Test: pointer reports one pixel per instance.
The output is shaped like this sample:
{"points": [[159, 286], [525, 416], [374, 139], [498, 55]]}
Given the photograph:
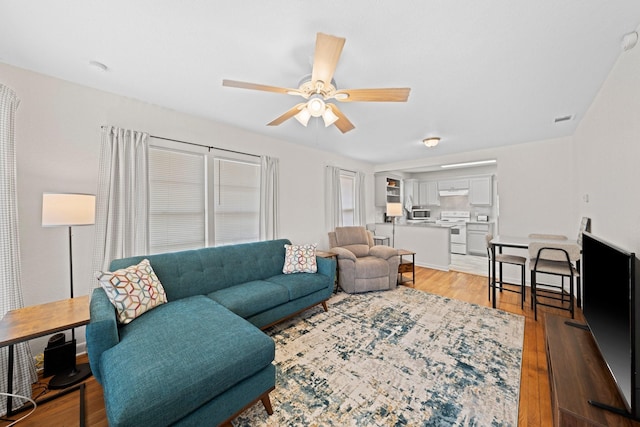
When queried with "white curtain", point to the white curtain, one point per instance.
{"points": [[122, 215], [269, 198], [24, 370], [359, 205], [333, 198]]}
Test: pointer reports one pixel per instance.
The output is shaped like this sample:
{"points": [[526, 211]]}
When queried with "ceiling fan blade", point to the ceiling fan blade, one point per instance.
{"points": [[255, 86], [373, 95], [327, 54], [342, 123], [286, 116]]}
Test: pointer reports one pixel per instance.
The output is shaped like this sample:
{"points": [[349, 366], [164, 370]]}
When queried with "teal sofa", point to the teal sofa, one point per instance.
{"points": [[201, 358]]}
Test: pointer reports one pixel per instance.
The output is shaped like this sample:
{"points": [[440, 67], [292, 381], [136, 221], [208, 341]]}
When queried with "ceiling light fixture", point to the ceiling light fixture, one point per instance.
{"points": [[431, 142], [476, 163], [316, 107]]}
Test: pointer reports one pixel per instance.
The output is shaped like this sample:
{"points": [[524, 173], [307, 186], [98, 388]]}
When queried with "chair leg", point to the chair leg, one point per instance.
{"points": [[522, 288], [489, 279], [534, 300]]}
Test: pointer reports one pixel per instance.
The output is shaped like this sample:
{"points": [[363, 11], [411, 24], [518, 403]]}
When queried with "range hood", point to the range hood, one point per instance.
{"points": [[460, 192]]}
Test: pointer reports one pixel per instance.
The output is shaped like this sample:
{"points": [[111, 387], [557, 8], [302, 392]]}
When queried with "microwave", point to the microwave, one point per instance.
{"points": [[420, 213]]}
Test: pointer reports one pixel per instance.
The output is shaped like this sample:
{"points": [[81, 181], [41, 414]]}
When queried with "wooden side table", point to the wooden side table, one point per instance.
{"points": [[406, 266], [35, 321], [329, 254]]}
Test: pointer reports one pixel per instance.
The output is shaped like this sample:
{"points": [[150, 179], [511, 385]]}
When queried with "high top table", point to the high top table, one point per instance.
{"points": [[521, 243], [35, 321]]}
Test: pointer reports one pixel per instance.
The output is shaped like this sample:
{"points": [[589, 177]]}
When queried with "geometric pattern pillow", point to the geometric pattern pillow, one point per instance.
{"points": [[300, 259], [133, 290]]}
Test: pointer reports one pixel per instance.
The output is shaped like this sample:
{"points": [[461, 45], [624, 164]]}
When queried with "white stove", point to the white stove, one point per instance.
{"points": [[457, 222]]}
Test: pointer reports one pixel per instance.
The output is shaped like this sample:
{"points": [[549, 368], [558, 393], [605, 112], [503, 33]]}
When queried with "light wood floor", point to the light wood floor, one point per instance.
{"points": [[535, 406]]}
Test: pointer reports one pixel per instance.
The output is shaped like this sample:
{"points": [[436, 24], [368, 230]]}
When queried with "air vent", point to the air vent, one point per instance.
{"points": [[563, 119]]}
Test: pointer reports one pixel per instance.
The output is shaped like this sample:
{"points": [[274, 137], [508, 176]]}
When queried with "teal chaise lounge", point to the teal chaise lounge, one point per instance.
{"points": [[201, 358]]}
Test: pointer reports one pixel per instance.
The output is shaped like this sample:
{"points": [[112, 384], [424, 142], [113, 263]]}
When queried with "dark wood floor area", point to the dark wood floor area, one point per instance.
{"points": [[535, 401]]}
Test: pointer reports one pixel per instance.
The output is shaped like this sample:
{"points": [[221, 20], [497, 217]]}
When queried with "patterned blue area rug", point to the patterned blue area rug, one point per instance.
{"points": [[395, 358]]}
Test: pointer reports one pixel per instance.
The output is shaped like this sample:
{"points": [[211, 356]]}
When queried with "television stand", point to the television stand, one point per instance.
{"points": [[578, 375]]}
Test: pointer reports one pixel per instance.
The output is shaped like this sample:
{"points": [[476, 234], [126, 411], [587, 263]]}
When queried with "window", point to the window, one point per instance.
{"points": [[347, 191], [237, 202], [198, 200], [177, 201]]}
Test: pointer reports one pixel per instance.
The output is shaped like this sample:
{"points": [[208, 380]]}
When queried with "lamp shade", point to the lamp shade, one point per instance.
{"points": [[68, 209], [394, 209]]}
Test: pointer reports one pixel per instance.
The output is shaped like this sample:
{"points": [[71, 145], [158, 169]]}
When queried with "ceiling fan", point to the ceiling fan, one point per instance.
{"points": [[320, 87]]}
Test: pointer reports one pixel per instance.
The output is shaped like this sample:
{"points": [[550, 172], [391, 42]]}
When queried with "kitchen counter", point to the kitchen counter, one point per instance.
{"points": [[431, 242]]}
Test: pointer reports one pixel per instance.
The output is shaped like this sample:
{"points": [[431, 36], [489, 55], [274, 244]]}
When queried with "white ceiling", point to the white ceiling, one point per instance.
{"points": [[482, 73]]}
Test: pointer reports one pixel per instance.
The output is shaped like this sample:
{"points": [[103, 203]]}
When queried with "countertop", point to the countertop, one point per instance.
{"points": [[418, 224]]}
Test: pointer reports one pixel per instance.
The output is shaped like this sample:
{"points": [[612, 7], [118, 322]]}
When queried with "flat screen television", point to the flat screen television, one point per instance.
{"points": [[611, 308]]}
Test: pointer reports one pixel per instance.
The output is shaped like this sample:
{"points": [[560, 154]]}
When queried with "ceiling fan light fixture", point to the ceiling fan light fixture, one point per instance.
{"points": [[431, 142], [316, 107], [303, 116], [329, 117]]}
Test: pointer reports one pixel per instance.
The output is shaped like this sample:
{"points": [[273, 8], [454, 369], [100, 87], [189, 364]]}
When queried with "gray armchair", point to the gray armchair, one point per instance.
{"points": [[363, 266]]}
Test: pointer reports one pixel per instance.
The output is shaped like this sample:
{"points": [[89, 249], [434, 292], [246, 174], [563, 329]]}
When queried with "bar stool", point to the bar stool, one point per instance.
{"points": [[555, 259], [378, 240], [506, 259]]}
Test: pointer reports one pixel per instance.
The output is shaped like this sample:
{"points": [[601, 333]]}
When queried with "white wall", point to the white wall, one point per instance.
{"points": [[58, 140], [607, 151]]}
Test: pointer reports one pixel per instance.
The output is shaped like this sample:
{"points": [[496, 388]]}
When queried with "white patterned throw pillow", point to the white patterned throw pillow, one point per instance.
{"points": [[300, 259], [133, 290]]}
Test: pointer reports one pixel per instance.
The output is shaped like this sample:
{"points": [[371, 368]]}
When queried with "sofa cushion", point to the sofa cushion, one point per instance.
{"points": [[300, 259], [178, 357], [371, 267], [133, 290], [358, 250], [251, 298], [351, 236], [300, 285], [201, 271]]}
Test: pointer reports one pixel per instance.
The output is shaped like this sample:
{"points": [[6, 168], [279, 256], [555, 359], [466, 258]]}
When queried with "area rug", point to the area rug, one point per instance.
{"points": [[395, 358]]}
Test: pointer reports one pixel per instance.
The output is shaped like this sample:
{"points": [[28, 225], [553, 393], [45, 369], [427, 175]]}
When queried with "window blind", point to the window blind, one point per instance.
{"points": [[347, 185], [177, 201], [236, 201]]}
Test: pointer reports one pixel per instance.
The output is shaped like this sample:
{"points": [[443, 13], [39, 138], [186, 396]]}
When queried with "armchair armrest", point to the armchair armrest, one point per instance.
{"points": [[343, 253], [102, 330], [384, 252]]}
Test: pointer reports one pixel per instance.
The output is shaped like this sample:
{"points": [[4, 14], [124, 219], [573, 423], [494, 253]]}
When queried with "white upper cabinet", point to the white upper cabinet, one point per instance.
{"points": [[429, 193], [481, 191]]}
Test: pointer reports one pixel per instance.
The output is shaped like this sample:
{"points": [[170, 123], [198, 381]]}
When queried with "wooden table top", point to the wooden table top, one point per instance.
{"points": [[405, 252], [39, 320]]}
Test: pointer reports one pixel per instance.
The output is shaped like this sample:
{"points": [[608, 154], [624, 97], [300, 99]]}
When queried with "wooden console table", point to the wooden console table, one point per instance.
{"points": [[406, 266], [577, 374], [36, 321]]}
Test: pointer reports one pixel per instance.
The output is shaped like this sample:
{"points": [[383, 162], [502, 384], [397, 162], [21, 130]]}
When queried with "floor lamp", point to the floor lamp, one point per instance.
{"points": [[67, 209], [394, 210]]}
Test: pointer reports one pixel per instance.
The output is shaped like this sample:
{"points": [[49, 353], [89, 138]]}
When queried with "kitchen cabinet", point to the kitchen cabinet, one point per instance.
{"points": [[453, 184], [476, 237], [481, 191], [412, 190], [388, 190], [429, 193]]}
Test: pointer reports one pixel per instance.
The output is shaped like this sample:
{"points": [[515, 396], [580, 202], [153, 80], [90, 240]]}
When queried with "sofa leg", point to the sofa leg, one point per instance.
{"points": [[267, 403], [324, 305]]}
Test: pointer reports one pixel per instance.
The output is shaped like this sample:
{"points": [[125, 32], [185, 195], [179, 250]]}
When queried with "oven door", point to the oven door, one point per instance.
{"points": [[458, 234], [459, 239]]}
